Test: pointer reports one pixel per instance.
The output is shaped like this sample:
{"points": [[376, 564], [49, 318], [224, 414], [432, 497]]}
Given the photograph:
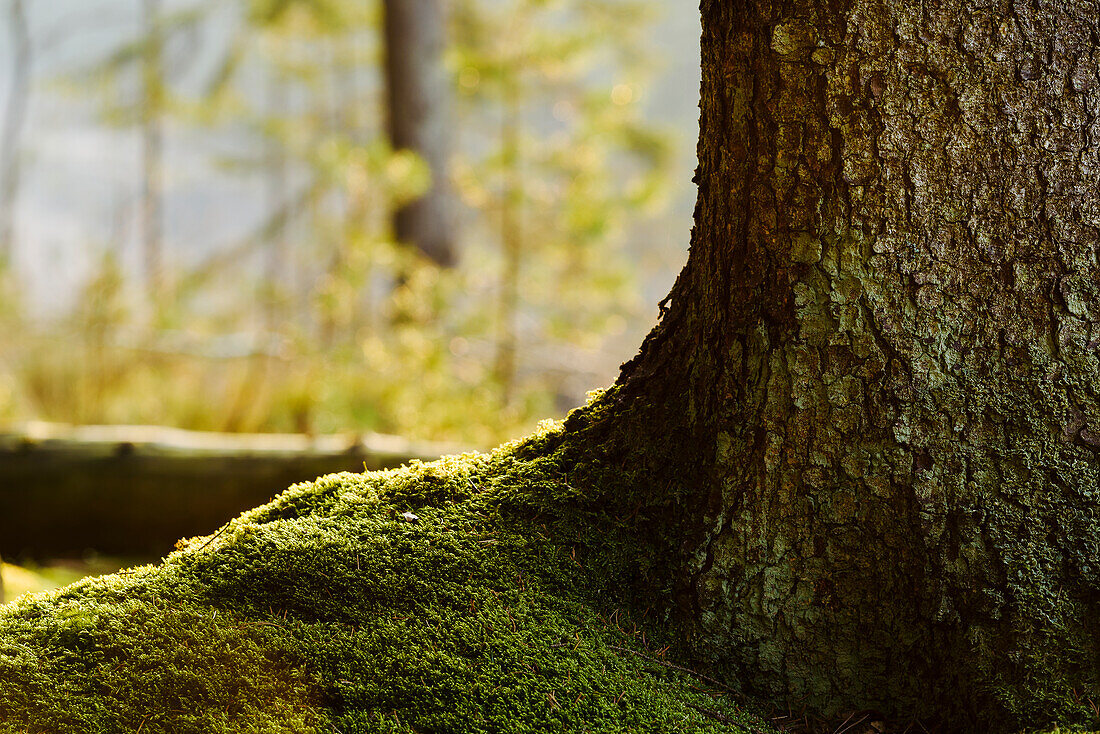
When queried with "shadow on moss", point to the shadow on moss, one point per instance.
{"points": [[482, 593]]}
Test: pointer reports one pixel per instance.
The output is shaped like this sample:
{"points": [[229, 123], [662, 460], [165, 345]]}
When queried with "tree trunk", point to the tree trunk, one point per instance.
{"points": [[856, 461], [418, 118], [14, 116], [876, 375]]}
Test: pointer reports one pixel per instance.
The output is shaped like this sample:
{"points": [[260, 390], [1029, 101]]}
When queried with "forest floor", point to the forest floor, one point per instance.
{"points": [[483, 593], [476, 594]]}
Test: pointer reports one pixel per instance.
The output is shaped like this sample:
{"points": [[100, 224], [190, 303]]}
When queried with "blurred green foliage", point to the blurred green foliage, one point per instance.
{"points": [[318, 321]]}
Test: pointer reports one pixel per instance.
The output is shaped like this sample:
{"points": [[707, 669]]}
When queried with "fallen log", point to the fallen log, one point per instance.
{"points": [[135, 490]]}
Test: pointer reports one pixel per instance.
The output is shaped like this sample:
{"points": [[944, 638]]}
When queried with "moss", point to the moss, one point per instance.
{"points": [[122, 653], [509, 605]]}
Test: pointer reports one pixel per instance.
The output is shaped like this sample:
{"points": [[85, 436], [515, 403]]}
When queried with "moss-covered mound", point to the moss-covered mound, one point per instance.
{"points": [[459, 596]]}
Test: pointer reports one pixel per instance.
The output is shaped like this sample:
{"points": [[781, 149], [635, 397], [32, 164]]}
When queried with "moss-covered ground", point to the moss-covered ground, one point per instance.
{"points": [[497, 608]]}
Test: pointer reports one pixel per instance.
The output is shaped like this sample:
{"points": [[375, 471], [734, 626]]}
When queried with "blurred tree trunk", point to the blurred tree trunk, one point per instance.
{"points": [[869, 416], [151, 225], [419, 117], [14, 117]]}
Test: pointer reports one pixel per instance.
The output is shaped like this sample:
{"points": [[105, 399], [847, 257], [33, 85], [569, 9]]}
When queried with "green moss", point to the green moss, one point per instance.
{"points": [[512, 604], [119, 654]]}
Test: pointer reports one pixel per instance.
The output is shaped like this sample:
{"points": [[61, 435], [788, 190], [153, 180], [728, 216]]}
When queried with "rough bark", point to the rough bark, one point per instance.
{"points": [[883, 351], [856, 460], [417, 93]]}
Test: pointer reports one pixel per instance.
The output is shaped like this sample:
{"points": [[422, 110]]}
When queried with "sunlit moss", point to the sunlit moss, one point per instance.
{"points": [[331, 609]]}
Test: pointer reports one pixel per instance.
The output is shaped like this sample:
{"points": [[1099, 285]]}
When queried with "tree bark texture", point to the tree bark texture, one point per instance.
{"points": [[417, 88], [883, 356]]}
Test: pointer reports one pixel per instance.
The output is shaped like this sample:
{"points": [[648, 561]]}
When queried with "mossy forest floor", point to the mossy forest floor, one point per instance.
{"points": [[331, 610]]}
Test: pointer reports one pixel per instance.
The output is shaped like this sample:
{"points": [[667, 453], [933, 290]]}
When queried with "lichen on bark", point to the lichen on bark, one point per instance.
{"points": [[890, 311], [856, 465]]}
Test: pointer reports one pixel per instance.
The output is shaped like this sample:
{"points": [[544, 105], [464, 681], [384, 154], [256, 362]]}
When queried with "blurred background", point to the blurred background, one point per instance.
{"points": [[442, 220]]}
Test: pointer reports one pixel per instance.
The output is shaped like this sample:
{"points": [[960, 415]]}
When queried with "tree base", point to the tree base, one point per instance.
{"points": [[526, 590]]}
